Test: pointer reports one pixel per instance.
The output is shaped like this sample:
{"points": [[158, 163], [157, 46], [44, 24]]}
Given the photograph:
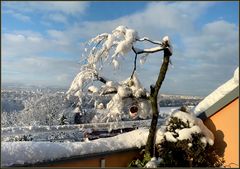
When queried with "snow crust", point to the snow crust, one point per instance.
{"points": [[218, 94], [33, 152]]}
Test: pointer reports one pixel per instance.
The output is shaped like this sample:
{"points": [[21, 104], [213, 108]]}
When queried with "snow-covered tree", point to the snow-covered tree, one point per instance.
{"points": [[108, 48], [46, 110]]}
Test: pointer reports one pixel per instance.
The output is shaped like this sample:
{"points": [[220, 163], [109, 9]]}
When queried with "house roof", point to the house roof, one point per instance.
{"points": [[221, 103]]}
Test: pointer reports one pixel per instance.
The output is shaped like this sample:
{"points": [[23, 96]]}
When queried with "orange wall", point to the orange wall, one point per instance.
{"points": [[120, 159], [225, 126]]}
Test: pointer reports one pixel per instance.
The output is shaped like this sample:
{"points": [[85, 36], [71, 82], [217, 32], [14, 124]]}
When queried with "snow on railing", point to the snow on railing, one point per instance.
{"points": [[12, 131]]}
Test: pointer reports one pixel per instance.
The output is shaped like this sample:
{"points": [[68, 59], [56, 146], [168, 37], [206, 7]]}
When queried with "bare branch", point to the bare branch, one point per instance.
{"points": [[99, 78], [135, 62]]}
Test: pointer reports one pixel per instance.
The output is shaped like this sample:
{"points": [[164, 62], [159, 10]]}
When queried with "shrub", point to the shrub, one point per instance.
{"points": [[184, 145]]}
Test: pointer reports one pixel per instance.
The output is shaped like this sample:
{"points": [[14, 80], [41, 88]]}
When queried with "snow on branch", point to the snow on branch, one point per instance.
{"points": [[165, 44], [107, 48]]}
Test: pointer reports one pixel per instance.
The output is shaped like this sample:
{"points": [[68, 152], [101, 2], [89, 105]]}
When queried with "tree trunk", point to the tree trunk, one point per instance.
{"points": [[153, 99]]}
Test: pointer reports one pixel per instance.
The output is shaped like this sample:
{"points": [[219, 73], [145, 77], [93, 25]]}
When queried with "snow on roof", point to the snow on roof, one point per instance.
{"points": [[14, 153], [217, 94]]}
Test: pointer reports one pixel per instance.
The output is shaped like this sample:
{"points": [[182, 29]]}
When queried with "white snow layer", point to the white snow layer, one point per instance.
{"points": [[93, 89], [81, 78], [169, 137], [217, 94], [33, 152], [153, 163]]}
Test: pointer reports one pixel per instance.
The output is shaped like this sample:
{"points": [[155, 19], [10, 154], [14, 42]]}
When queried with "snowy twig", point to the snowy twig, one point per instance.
{"points": [[146, 39], [163, 45]]}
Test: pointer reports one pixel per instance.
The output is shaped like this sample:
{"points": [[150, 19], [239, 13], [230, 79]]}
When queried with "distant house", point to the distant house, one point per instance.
{"points": [[220, 113]]}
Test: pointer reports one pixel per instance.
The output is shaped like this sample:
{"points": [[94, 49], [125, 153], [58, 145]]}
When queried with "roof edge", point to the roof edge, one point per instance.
{"points": [[228, 98]]}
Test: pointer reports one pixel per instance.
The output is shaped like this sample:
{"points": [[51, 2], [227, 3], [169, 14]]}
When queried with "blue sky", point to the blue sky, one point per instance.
{"points": [[42, 42]]}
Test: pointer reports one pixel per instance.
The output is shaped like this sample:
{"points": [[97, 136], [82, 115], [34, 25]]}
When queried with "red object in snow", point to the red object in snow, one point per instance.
{"points": [[133, 111]]}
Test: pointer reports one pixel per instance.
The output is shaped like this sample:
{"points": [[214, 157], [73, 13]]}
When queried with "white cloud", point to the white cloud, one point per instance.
{"points": [[40, 70], [57, 17], [28, 43], [18, 16], [19, 45], [53, 11], [158, 19], [70, 8]]}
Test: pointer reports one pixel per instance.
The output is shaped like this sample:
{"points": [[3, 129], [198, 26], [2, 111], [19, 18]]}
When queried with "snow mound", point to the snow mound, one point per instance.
{"points": [[14, 153], [153, 163], [218, 94], [195, 126]]}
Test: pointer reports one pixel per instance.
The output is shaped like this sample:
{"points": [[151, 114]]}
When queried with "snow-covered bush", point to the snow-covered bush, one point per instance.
{"points": [[187, 143]]}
